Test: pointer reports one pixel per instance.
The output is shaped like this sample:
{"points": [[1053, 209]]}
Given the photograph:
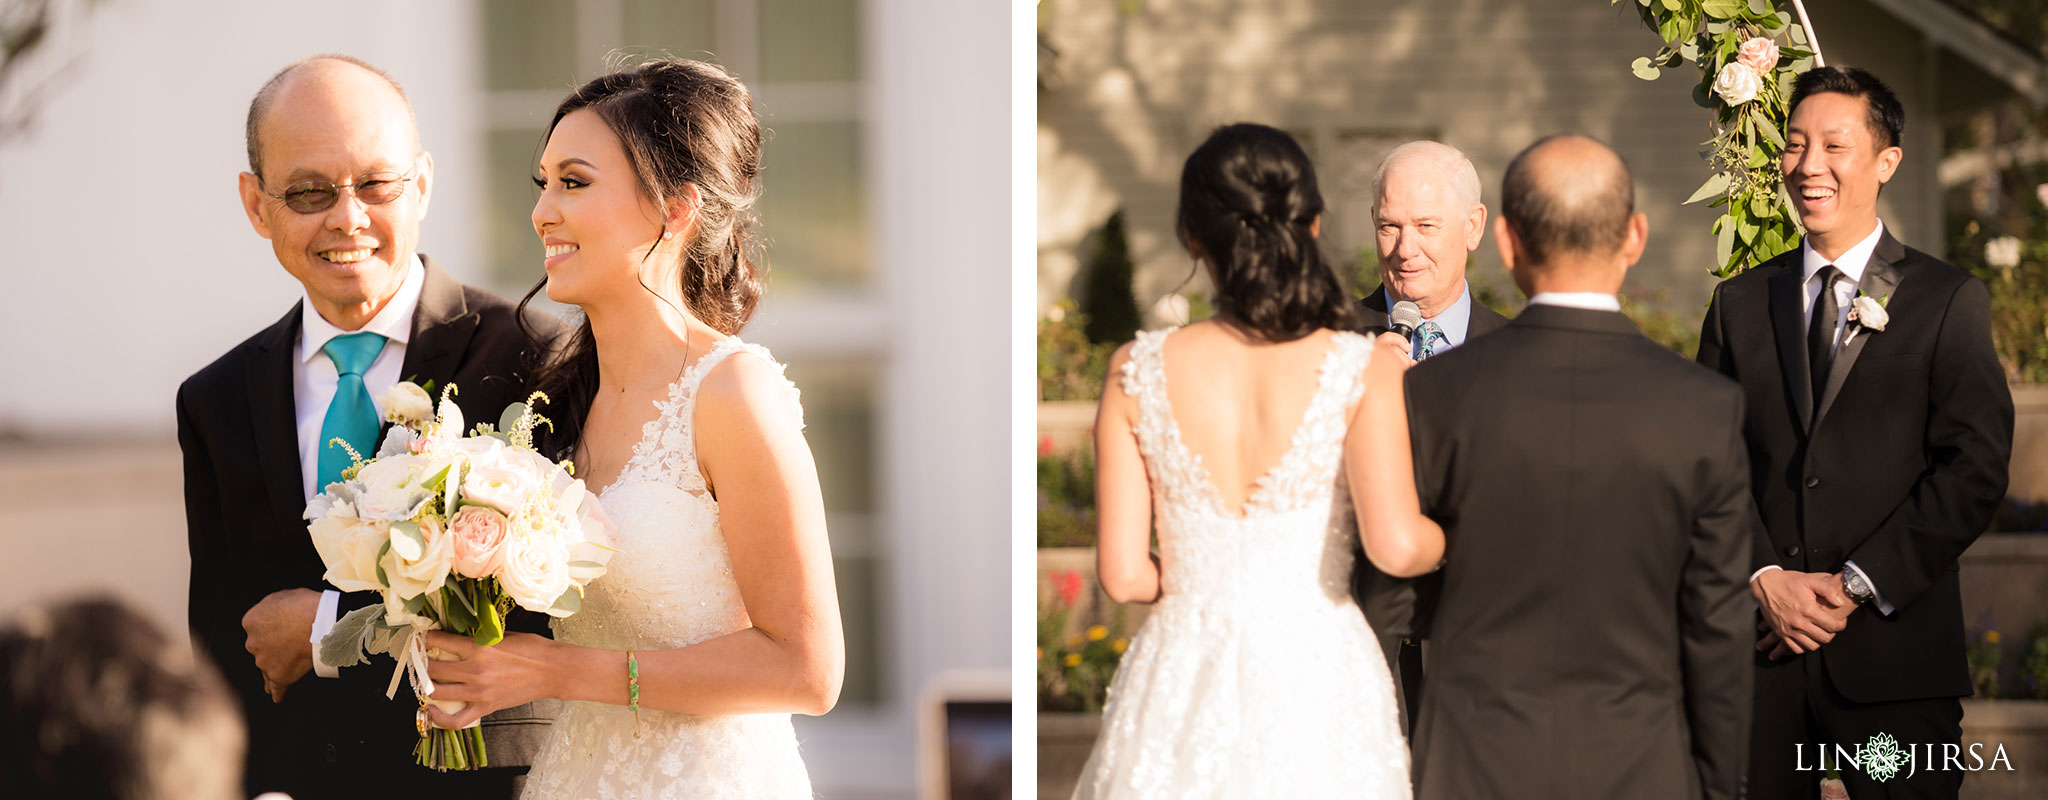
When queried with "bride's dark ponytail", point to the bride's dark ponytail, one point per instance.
{"points": [[1248, 206]]}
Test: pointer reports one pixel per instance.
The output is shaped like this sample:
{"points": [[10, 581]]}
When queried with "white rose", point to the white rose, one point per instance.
{"points": [[349, 547], [536, 568], [406, 404], [505, 489], [390, 488], [417, 569], [1737, 84], [1869, 313]]}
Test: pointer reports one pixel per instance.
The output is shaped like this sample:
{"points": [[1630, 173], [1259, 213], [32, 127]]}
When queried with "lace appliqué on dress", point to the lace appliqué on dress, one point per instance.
{"points": [[670, 585]]}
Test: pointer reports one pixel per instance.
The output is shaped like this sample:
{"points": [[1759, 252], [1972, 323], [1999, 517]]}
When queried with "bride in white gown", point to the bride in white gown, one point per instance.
{"points": [[1256, 674], [721, 593]]}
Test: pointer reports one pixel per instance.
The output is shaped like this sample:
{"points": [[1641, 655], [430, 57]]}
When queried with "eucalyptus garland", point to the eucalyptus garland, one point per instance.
{"points": [[1746, 80]]}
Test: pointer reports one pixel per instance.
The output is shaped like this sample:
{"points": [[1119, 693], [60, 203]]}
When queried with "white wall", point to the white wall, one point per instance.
{"points": [[132, 265]]}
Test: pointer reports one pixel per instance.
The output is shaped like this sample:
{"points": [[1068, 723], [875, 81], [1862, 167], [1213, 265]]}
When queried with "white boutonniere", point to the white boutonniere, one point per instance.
{"points": [[1867, 313]]}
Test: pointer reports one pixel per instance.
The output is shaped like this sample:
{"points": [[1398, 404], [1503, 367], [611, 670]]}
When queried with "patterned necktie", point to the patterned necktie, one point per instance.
{"points": [[351, 416], [1429, 334]]}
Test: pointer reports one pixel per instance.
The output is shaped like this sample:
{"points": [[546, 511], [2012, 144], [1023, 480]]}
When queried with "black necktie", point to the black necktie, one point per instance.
{"points": [[1820, 332]]}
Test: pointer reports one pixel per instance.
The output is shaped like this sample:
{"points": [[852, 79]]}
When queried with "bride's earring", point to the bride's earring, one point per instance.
{"points": [[667, 235]]}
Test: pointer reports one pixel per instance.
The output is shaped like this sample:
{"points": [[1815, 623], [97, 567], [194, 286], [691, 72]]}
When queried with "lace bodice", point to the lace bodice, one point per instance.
{"points": [[1256, 676], [1206, 550], [669, 585]]}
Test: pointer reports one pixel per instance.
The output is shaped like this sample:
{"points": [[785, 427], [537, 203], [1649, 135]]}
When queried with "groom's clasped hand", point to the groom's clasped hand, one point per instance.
{"points": [[1801, 611]]}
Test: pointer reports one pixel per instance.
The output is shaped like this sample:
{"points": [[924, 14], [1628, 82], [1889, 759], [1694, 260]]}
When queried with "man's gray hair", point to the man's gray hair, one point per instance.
{"points": [[1440, 159]]}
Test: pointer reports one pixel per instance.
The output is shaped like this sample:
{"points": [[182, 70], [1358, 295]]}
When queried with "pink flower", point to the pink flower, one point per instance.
{"points": [[1068, 584], [1759, 54], [479, 541], [1044, 446]]}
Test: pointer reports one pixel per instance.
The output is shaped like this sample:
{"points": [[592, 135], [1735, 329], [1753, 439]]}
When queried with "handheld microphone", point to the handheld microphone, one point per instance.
{"points": [[1403, 318]]}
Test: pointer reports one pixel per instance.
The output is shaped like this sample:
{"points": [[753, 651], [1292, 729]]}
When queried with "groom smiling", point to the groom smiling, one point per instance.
{"points": [[338, 183], [1879, 425]]}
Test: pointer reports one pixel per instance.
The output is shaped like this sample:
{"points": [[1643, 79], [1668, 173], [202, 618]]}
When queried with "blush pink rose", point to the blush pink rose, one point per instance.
{"points": [[1759, 54], [479, 541]]}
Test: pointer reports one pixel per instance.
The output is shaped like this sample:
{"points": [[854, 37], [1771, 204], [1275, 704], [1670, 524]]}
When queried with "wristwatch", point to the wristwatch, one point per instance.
{"points": [[1856, 587]]}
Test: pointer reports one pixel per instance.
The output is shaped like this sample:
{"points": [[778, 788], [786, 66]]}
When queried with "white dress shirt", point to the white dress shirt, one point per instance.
{"points": [[1591, 301], [1852, 263], [313, 381]]}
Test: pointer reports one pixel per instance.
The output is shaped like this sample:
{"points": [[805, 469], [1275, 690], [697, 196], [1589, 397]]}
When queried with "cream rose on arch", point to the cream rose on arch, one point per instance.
{"points": [[1737, 83]]}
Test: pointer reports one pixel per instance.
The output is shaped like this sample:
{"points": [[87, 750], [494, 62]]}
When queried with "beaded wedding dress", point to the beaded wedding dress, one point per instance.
{"points": [[669, 585], [1256, 674]]}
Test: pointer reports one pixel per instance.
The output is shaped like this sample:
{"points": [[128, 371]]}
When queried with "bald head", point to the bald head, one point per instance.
{"points": [[1567, 196], [322, 80]]}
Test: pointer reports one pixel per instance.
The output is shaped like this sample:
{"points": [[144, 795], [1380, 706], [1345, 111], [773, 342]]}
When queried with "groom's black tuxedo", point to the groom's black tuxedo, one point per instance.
{"points": [[1399, 609], [244, 503], [1900, 473], [1593, 630]]}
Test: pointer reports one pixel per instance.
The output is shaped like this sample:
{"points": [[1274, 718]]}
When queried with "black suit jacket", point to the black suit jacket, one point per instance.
{"points": [[1399, 608], [244, 504], [1593, 634], [1900, 472]]}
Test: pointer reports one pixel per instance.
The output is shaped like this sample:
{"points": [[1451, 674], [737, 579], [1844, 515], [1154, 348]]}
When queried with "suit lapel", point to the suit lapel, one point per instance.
{"points": [[1786, 322], [273, 414], [1880, 279], [441, 328]]}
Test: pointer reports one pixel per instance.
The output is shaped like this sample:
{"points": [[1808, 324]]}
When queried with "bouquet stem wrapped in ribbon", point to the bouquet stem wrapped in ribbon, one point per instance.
{"points": [[452, 532]]}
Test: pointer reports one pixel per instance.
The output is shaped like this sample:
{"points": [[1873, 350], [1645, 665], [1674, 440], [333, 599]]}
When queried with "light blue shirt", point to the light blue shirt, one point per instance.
{"points": [[1455, 322]]}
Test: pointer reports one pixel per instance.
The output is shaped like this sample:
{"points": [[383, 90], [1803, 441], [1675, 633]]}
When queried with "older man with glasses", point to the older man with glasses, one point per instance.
{"points": [[338, 183]]}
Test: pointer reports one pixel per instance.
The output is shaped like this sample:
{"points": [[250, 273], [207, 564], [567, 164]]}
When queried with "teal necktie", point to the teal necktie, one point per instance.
{"points": [[1430, 333], [351, 416]]}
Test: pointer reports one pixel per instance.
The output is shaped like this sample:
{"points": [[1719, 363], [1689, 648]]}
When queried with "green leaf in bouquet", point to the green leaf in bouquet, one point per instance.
{"points": [[462, 589], [344, 643], [1762, 8], [407, 540], [382, 579], [509, 420], [490, 626], [461, 618], [417, 604], [440, 479], [570, 601]]}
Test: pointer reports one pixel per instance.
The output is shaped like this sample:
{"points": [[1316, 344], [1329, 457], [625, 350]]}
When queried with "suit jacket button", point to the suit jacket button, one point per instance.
{"points": [[1812, 482], [331, 755], [1792, 551]]}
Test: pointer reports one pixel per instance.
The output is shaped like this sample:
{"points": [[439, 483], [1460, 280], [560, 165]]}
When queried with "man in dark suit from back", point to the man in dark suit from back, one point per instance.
{"points": [[1593, 629], [338, 183], [1428, 217], [1879, 442]]}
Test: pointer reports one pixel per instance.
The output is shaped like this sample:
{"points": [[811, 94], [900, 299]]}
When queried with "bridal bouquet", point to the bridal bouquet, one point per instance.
{"points": [[452, 531]]}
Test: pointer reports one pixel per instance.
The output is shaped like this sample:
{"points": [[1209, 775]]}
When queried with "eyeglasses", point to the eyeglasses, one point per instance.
{"points": [[315, 196]]}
